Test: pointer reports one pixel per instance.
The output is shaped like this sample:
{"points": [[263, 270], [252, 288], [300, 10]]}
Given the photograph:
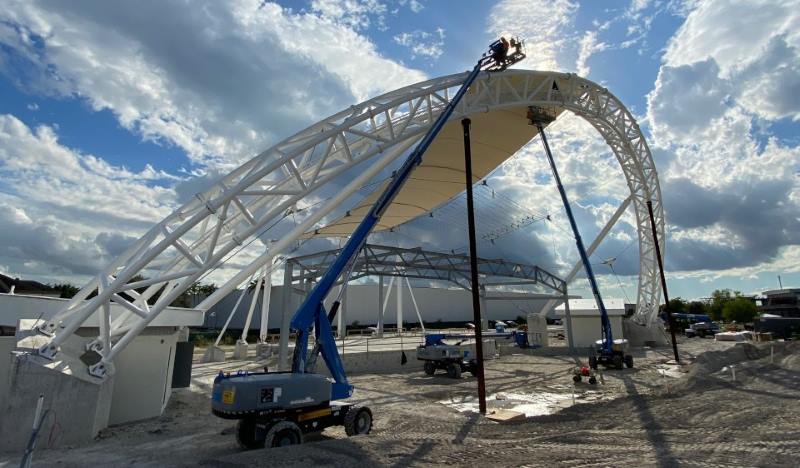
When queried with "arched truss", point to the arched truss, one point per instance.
{"points": [[195, 238]]}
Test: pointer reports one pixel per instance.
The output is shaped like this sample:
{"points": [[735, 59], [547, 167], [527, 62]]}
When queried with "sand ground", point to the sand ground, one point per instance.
{"points": [[655, 414]]}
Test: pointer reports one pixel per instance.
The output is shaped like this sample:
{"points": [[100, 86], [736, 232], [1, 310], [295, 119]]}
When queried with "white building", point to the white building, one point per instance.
{"points": [[586, 327]]}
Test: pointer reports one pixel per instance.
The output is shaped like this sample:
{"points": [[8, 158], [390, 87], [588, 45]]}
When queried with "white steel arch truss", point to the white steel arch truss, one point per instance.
{"points": [[196, 237]]}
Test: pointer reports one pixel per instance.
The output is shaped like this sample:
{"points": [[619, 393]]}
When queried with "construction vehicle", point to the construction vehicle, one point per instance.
{"points": [[454, 358], [702, 329], [277, 408], [579, 372], [608, 351]]}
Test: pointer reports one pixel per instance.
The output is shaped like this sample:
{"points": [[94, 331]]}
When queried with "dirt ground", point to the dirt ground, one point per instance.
{"points": [[652, 415]]}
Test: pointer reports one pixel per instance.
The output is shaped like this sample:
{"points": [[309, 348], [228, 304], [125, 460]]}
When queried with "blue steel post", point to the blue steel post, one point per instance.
{"points": [[312, 311], [608, 339]]}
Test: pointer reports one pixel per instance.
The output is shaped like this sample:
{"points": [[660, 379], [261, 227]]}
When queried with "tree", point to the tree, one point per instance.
{"points": [[676, 306], [67, 290], [739, 309], [719, 298], [697, 307]]}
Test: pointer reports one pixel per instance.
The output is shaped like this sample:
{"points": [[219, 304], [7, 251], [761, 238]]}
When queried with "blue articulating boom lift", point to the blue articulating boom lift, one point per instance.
{"points": [[609, 353], [277, 408]]}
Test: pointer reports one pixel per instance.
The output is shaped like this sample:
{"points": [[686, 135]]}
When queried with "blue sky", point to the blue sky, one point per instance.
{"points": [[107, 112]]}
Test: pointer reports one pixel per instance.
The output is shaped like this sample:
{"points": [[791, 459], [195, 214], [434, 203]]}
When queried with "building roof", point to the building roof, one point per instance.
{"points": [[776, 292], [614, 306]]}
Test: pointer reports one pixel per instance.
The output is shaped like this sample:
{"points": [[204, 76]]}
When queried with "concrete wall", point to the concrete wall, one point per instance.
{"points": [[447, 305], [7, 344], [142, 382]]}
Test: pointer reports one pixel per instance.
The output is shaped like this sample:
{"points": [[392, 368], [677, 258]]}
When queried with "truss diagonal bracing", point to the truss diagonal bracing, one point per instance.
{"points": [[379, 260], [196, 238]]}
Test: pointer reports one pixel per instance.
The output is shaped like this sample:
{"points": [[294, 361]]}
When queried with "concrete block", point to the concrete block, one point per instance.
{"points": [[241, 349], [214, 354], [265, 350], [79, 403]]}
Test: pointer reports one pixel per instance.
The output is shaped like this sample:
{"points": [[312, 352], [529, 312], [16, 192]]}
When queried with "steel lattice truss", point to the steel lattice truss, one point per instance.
{"points": [[380, 260], [195, 238]]}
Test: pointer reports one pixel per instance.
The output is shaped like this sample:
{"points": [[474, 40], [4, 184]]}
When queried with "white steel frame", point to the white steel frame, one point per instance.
{"points": [[195, 238]]}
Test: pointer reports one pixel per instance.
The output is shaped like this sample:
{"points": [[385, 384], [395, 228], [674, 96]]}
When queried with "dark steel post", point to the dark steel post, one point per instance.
{"points": [[473, 260], [670, 318]]}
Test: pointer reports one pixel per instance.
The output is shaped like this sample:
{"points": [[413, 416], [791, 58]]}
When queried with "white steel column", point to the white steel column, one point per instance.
{"points": [[399, 307], [283, 346], [341, 319], [484, 309], [416, 307], [265, 298], [380, 307], [253, 302]]}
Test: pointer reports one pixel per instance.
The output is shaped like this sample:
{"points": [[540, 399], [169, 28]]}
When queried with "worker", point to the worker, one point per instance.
{"points": [[500, 51]]}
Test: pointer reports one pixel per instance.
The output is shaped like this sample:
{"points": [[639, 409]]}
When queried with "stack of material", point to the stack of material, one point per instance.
{"points": [[734, 336]]}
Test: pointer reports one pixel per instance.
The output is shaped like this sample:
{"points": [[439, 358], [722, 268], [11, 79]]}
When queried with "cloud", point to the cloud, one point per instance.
{"points": [[686, 99], [42, 171], [754, 43], [219, 80], [357, 14], [588, 47], [422, 43], [730, 190], [547, 26]]}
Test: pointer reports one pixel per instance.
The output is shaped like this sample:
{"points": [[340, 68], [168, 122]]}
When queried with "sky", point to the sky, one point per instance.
{"points": [[111, 111]]}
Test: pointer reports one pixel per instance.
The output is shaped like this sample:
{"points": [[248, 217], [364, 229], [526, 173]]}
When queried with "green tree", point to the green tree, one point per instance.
{"points": [[697, 307], [67, 290], [719, 298], [739, 309], [676, 306]]}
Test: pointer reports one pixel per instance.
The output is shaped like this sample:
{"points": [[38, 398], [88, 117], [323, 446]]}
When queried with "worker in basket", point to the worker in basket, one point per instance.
{"points": [[500, 51]]}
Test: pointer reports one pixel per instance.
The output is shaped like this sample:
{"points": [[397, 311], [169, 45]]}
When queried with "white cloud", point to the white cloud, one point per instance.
{"points": [[731, 192], [546, 26], [588, 47], [422, 43], [357, 14], [66, 214], [42, 171], [756, 45], [220, 80]]}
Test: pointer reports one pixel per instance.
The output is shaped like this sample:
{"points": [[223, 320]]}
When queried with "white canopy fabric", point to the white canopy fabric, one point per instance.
{"points": [[495, 137]]}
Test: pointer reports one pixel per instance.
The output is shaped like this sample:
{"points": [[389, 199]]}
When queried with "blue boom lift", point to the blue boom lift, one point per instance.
{"points": [[609, 352], [277, 408]]}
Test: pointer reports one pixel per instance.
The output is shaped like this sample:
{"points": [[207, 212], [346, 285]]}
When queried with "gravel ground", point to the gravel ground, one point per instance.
{"points": [[653, 414]]}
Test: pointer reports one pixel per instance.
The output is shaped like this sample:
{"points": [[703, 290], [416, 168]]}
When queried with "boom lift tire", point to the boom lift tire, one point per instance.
{"points": [[282, 434], [617, 361], [430, 368], [472, 368], [592, 380], [629, 361], [246, 434], [358, 421], [454, 370]]}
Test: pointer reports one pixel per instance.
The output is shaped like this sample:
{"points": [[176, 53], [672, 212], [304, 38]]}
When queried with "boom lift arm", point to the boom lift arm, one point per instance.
{"points": [[277, 408], [607, 352], [312, 311]]}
